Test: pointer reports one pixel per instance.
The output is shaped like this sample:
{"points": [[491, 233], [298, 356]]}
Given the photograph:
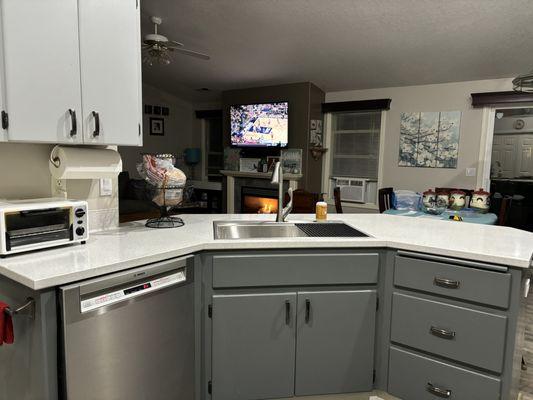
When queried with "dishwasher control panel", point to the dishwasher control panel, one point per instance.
{"points": [[116, 296]]}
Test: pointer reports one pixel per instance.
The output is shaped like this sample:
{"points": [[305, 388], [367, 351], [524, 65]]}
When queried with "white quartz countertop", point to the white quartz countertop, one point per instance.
{"points": [[133, 244]]}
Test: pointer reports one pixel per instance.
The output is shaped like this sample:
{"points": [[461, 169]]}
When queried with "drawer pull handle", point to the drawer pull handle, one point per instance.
{"points": [[437, 391], [447, 283], [287, 312], [442, 333], [307, 310]]}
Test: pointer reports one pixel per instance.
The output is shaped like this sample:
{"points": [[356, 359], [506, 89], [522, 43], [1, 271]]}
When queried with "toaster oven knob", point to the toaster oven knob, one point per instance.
{"points": [[80, 212], [80, 231]]}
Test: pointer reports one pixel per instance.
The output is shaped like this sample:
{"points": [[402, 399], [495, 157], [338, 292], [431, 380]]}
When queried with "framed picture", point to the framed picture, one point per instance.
{"points": [[249, 164], [157, 127], [165, 111], [147, 109], [291, 160], [157, 110], [271, 161]]}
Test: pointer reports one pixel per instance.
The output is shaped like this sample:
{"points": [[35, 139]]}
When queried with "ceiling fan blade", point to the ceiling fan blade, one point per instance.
{"points": [[193, 54], [173, 43]]}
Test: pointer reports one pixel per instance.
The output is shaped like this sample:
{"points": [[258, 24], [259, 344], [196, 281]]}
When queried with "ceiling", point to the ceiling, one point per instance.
{"points": [[339, 44]]}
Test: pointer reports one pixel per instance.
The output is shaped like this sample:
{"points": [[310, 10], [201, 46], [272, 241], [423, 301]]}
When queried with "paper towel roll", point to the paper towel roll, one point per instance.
{"points": [[84, 163]]}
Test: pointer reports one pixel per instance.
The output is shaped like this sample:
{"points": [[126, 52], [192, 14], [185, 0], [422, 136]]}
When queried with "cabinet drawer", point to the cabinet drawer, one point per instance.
{"points": [[414, 377], [476, 285], [294, 269], [473, 337]]}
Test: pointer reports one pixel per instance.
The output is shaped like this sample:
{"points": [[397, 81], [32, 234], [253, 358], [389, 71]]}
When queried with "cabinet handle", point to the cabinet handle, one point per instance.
{"points": [[307, 310], [437, 391], [96, 124], [446, 283], [287, 312], [442, 333], [74, 129]]}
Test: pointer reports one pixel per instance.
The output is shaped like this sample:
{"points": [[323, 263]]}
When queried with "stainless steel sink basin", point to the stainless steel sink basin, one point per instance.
{"points": [[267, 229], [251, 230]]}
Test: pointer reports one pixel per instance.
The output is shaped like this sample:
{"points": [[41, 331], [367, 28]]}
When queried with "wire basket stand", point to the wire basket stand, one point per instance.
{"points": [[162, 195]]}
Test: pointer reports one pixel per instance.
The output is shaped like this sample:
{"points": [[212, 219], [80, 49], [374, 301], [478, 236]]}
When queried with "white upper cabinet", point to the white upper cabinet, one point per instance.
{"points": [[110, 46], [3, 113], [72, 71], [42, 70]]}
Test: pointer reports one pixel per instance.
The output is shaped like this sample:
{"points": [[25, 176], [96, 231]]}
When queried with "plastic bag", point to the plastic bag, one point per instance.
{"points": [[407, 200]]}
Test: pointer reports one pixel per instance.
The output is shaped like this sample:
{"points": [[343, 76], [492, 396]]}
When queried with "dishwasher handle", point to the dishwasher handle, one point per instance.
{"points": [[134, 289], [107, 282]]}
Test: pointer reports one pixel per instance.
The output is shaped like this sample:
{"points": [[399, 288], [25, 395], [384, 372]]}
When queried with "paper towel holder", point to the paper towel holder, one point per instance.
{"points": [[71, 162]]}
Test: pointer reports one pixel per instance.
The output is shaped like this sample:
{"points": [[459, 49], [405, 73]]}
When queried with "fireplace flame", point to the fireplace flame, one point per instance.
{"points": [[260, 205], [266, 209]]}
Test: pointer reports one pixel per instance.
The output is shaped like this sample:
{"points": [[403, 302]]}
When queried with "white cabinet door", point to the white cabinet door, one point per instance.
{"points": [[3, 130], [110, 57], [42, 70]]}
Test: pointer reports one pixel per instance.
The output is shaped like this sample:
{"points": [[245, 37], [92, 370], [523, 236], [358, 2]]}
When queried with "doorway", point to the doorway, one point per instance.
{"points": [[509, 165]]}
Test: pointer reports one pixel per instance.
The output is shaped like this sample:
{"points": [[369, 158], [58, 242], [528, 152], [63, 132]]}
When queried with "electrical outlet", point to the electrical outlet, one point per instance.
{"points": [[106, 187], [470, 172]]}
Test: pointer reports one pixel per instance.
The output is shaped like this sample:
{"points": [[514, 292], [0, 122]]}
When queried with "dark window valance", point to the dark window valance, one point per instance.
{"points": [[205, 114], [361, 105], [500, 98]]}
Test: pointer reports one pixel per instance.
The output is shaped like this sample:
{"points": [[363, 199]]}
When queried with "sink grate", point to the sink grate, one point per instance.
{"points": [[329, 230]]}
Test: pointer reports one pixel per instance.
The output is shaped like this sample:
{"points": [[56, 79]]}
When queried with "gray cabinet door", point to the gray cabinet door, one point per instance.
{"points": [[253, 346], [335, 342]]}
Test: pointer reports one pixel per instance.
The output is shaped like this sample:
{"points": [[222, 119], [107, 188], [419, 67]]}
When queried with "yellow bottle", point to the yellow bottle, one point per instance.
{"points": [[321, 209]]}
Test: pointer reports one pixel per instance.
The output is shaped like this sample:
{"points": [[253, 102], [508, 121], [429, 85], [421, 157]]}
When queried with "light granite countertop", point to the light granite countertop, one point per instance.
{"points": [[133, 244]]}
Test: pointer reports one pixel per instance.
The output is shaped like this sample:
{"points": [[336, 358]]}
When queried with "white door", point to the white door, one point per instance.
{"points": [[110, 57], [525, 156], [42, 70], [504, 151]]}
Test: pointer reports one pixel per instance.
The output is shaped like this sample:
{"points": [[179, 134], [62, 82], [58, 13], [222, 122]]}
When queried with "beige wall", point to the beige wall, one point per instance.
{"points": [[182, 129], [25, 175], [178, 128], [441, 97]]}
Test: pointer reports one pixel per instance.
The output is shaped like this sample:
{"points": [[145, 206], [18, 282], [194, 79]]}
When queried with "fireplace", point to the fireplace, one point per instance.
{"points": [[256, 200]]}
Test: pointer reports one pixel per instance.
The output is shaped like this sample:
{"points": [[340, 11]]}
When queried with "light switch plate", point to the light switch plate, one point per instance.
{"points": [[106, 187], [471, 172]]}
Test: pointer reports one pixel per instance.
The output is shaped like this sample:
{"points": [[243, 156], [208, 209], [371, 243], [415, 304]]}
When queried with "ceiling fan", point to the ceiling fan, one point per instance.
{"points": [[157, 48]]}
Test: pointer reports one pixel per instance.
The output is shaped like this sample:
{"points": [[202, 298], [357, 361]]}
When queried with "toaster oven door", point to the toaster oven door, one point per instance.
{"points": [[32, 227]]}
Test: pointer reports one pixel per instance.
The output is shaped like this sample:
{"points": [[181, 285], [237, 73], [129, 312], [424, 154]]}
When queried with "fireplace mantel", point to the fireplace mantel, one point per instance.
{"points": [[231, 176], [259, 175]]}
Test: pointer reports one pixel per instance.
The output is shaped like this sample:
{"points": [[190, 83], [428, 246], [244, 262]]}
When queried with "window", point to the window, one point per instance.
{"points": [[213, 149], [355, 144], [353, 162]]}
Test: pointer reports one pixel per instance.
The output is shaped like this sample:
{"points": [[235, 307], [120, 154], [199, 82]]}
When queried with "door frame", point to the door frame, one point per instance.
{"points": [[487, 138]]}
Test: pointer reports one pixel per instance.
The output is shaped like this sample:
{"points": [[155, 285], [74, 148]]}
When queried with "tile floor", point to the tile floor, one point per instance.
{"points": [[359, 396], [526, 380]]}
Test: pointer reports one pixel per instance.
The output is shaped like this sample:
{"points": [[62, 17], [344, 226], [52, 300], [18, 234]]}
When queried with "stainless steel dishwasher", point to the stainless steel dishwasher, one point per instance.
{"points": [[130, 335]]}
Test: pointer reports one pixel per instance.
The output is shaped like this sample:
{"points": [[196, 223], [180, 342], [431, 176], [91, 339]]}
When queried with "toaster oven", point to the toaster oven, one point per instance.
{"points": [[27, 225]]}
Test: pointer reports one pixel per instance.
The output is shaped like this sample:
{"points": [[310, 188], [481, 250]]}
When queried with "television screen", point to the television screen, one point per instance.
{"points": [[260, 125]]}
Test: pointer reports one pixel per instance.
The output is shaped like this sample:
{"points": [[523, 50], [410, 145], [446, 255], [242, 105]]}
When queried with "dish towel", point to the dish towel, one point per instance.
{"points": [[6, 326]]}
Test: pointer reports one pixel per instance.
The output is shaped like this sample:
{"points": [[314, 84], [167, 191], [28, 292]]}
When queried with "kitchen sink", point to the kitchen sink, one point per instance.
{"points": [[267, 229]]}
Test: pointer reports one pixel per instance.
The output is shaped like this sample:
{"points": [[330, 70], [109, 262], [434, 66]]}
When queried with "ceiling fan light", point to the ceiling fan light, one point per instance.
{"points": [[523, 83]]}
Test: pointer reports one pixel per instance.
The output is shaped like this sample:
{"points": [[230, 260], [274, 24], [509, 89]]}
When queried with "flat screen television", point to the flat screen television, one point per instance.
{"points": [[260, 125]]}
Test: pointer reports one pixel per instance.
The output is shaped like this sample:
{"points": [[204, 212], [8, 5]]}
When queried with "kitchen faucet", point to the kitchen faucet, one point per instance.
{"points": [[277, 178]]}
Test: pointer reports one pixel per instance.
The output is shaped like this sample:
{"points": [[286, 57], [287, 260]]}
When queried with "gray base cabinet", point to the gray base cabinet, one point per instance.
{"points": [[282, 332], [253, 346], [335, 342]]}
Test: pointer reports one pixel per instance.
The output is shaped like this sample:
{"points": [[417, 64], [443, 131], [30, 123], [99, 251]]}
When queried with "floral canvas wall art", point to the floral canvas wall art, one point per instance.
{"points": [[429, 139]]}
